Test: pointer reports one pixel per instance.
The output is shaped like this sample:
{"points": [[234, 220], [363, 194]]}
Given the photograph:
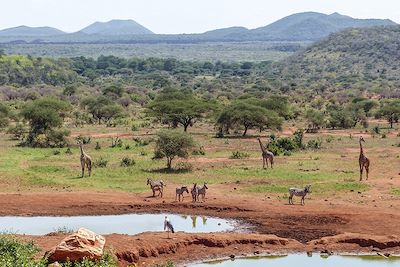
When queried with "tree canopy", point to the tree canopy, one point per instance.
{"points": [[171, 144]]}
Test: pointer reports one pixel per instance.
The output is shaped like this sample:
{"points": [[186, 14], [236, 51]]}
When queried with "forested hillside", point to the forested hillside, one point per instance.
{"points": [[364, 59]]}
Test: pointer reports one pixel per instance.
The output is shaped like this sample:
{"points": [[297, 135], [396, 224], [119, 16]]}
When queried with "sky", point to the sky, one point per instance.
{"points": [[181, 16]]}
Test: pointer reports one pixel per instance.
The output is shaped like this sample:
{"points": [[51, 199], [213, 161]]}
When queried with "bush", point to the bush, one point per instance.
{"points": [[239, 155], [117, 142], [199, 151], [127, 147], [139, 142], [279, 146], [56, 152], [68, 151], [98, 147], [84, 139], [314, 144], [16, 253], [101, 163], [167, 264], [127, 162]]}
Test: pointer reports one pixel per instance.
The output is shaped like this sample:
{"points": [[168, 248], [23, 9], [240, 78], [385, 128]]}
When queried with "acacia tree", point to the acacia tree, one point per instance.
{"points": [[179, 108], [171, 144], [315, 119], [248, 116], [45, 117], [102, 108], [390, 111]]}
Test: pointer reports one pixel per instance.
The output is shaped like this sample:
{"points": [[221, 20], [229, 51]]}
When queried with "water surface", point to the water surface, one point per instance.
{"points": [[122, 224], [301, 260]]}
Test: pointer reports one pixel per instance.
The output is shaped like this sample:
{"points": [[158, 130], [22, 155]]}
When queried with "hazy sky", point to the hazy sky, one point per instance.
{"points": [[181, 16]]}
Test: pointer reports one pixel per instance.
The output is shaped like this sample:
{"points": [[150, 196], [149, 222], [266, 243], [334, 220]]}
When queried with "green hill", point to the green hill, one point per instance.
{"points": [[365, 59]]}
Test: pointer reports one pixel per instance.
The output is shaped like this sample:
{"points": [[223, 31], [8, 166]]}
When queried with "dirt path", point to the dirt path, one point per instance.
{"points": [[318, 219]]}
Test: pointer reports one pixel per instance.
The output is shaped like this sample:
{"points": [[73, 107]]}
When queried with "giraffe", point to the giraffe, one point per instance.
{"points": [[86, 161], [267, 155], [363, 160]]}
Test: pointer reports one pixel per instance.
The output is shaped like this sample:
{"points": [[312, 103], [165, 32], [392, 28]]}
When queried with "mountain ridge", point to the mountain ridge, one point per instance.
{"points": [[305, 26]]}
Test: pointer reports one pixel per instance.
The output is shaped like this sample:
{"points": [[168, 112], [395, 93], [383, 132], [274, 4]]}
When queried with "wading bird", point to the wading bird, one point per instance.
{"points": [[168, 226]]}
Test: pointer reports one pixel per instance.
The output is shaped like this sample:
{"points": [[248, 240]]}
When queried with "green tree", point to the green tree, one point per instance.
{"points": [[171, 144], [315, 119], [248, 116], [390, 111], [102, 108], [179, 108], [45, 117]]}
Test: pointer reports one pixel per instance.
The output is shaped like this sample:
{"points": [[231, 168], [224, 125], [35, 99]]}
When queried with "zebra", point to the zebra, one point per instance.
{"points": [[180, 191], [299, 192], [194, 192], [156, 186], [201, 191]]}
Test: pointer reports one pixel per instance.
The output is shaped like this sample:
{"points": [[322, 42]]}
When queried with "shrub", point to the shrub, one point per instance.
{"points": [[56, 152], [117, 142], [127, 162], [17, 253], [68, 151], [135, 128], [314, 144], [199, 151], [98, 147], [139, 142], [167, 264], [127, 147], [84, 139], [279, 146], [239, 155], [101, 163]]}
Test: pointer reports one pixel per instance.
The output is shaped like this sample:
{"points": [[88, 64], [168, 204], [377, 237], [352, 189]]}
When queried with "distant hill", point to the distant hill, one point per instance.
{"points": [[116, 27], [31, 31], [226, 32], [312, 26], [366, 59], [303, 27]]}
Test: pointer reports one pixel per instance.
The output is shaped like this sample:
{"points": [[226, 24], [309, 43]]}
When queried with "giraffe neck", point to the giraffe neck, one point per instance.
{"points": [[82, 152], [261, 146], [361, 149]]}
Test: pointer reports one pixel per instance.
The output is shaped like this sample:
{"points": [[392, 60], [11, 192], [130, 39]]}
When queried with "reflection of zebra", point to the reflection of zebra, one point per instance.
{"points": [[180, 191], [156, 186], [299, 192], [201, 191]]}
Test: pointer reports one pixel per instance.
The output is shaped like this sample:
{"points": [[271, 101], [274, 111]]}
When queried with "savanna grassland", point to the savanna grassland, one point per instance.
{"points": [[193, 121]]}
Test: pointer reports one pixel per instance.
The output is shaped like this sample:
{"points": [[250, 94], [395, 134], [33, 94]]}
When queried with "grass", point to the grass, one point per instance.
{"points": [[395, 191], [332, 169]]}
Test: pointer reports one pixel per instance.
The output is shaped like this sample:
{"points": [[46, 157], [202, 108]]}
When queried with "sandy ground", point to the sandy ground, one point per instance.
{"points": [[275, 226]]}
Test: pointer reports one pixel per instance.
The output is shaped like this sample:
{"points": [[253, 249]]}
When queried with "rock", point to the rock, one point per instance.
{"points": [[75, 247], [309, 253], [256, 252], [232, 256]]}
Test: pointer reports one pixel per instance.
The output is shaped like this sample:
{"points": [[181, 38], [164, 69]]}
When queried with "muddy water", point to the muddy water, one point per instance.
{"points": [[108, 224], [300, 260]]}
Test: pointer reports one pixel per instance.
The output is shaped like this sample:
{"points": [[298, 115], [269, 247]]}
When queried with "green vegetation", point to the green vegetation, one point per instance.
{"points": [[17, 253], [171, 144]]}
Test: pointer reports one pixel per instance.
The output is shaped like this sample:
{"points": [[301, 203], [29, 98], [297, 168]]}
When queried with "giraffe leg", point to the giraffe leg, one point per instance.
{"points": [[271, 161], [89, 167], [361, 171], [263, 163], [367, 170]]}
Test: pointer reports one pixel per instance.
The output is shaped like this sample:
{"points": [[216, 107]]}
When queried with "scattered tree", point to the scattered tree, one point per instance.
{"points": [[171, 144]]}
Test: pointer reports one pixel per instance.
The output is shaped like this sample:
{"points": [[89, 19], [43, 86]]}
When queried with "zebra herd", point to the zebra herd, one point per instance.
{"points": [[196, 191]]}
